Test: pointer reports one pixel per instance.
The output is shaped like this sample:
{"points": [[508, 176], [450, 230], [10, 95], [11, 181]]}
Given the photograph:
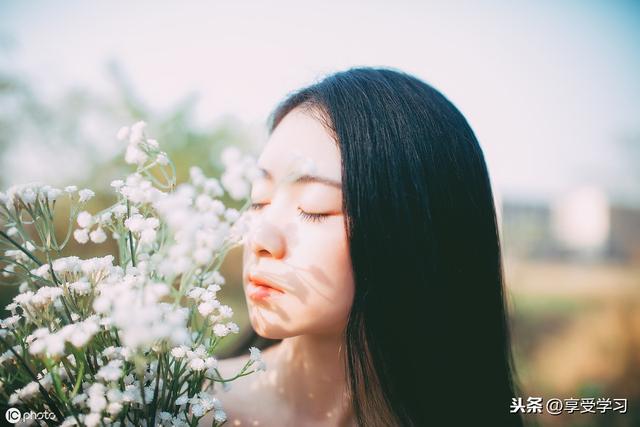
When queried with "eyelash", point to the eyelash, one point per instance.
{"points": [[310, 217]]}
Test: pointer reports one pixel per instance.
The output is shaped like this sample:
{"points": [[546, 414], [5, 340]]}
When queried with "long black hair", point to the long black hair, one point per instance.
{"points": [[427, 336]]}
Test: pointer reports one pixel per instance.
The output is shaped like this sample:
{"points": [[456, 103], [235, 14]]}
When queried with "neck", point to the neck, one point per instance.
{"points": [[309, 374]]}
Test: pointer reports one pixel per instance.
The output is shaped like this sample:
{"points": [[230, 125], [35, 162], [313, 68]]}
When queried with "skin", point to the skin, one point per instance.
{"points": [[308, 259]]}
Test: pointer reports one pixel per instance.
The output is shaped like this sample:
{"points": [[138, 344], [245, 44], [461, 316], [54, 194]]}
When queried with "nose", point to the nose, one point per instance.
{"points": [[266, 239]]}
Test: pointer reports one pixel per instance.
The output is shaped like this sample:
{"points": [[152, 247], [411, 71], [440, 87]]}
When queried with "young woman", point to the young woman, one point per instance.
{"points": [[374, 278]]}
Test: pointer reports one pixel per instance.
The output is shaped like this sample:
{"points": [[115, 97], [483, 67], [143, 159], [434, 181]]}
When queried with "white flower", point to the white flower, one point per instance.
{"points": [[45, 296], [135, 223], [84, 219], [81, 235], [71, 189], [97, 401], [9, 321], [154, 320], [162, 159], [79, 398], [230, 156], [237, 187], [135, 156], [16, 254], [196, 175], [92, 420], [231, 215], [206, 308], [255, 354], [148, 235], [138, 302], [233, 327], [105, 218], [203, 202], [197, 410], [120, 210], [79, 338], [145, 227], [81, 333], [117, 183], [194, 293], [137, 132], [218, 278], [28, 196], [202, 256], [211, 362], [114, 408], [225, 311], [24, 393], [53, 194], [86, 195], [220, 415], [239, 171], [220, 330], [52, 344], [212, 187], [200, 352], [98, 235], [110, 372], [152, 222], [30, 246], [81, 287], [114, 395], [178, 352], [123, 133]]}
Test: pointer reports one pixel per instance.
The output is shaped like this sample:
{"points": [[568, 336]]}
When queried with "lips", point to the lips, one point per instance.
{"points": [[261, 281]]}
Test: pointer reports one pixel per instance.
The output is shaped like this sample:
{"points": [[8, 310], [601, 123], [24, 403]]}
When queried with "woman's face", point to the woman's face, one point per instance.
{"points": [[297, 240]]}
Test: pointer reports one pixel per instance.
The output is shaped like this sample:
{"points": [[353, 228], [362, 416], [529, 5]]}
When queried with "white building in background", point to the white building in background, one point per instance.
{"points": [[581, 220]]}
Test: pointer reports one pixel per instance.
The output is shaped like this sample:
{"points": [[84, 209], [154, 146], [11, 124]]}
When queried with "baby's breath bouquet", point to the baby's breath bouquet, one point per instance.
{"points": [[126, 339]]}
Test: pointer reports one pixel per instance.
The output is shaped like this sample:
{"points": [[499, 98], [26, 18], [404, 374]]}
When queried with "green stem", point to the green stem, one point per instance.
{"points": [[79, 378], [154, 403], [26, 252], [45, 394], [133, 254], [142, 393]]}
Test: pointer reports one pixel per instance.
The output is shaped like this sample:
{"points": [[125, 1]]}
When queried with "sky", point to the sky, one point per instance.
{"points": [[550, 88]]}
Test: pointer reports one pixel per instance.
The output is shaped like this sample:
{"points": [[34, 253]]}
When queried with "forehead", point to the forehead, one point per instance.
{"points": [[300, 133]]}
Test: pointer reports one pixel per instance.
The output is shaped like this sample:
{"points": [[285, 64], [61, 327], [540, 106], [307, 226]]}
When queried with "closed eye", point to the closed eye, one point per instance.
{"points": [[256, 206], [312, 217], [307, 216]]}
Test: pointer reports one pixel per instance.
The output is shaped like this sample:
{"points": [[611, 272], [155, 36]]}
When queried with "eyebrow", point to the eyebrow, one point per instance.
{"points": [[303, 179]]}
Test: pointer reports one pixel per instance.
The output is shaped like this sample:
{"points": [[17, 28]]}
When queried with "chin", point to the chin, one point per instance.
{"points": [[269, 330]]}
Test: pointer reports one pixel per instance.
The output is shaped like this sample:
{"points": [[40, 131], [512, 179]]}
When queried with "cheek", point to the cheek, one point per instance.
{"points": [[317, 265], [324, 254]]}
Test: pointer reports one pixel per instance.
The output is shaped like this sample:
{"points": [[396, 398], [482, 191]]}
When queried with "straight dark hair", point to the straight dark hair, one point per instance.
{"points": [[427, 337]]}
